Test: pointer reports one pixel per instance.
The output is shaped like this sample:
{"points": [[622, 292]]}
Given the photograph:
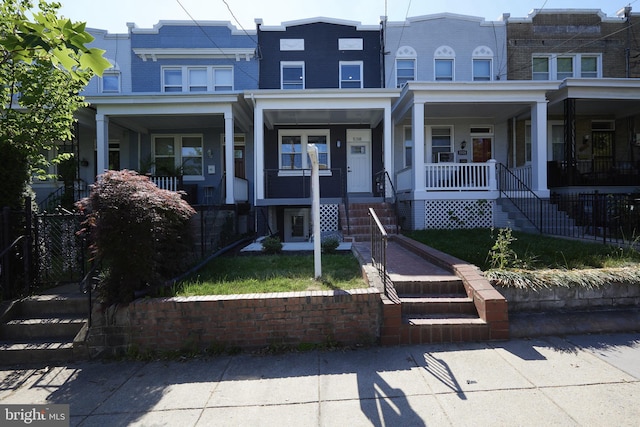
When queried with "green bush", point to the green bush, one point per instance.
{"points": [[329, 245], [272, 245], [139, 232]]}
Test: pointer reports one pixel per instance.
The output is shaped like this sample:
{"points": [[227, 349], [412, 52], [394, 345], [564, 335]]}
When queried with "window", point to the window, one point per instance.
{"points": [[175, 154], [405, 71], [408, 147], [293, 149], [565, 68], [197, 79], [481, 69], [589, 66], [441, 138], [350, 75], [444, 69], [405, 65], [540, 68], [482, 63], [111, 81], [292, 75], [557, 142], [551, 67]]}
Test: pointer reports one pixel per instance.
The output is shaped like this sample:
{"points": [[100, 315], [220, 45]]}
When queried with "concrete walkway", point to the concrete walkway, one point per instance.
{"points": [[584, 380]]}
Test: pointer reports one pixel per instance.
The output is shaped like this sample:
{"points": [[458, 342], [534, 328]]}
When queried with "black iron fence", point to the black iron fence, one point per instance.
{"points": [[379, 239]]}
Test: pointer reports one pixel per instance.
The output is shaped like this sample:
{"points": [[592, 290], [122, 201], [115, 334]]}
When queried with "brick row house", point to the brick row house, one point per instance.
{"points": [[431, 113]]}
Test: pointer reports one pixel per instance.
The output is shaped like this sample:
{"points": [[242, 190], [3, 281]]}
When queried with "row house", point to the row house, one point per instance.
{"points": [[432, 112]]}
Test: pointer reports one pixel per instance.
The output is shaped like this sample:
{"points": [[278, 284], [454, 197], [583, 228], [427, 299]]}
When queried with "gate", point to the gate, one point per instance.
{"points": [[39, 250]]}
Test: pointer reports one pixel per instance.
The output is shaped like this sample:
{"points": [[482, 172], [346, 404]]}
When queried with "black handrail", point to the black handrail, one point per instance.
{"points": [[87, 288], [379, 239], [522, 197], [394, 200]]}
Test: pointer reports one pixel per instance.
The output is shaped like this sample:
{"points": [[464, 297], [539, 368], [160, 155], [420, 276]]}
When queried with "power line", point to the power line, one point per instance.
{"points": [[238, 22]]}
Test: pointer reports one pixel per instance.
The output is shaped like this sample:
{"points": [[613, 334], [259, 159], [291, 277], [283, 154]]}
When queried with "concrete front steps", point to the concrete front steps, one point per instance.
{"points": [[358, 225], [42, 329], [438, 311]]}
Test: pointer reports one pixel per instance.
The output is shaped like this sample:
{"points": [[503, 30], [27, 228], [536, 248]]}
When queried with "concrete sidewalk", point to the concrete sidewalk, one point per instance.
{"points": [[576, 380]]}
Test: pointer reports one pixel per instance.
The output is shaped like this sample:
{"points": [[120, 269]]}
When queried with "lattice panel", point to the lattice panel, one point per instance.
{"points": [[458, 214], [329, 217]]}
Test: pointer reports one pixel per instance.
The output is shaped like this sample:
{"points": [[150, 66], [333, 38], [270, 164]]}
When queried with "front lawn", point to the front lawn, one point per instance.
{"points": [[272, 273]]}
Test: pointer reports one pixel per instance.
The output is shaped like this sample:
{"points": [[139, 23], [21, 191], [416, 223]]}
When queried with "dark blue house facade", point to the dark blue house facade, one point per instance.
{"points": [[321, 84]]}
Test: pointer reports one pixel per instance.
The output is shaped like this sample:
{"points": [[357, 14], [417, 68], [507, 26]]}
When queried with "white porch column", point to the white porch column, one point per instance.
{"points": [[388, 146], [228, 158], [258, 141], [417, 135], [539, 148], [102, 143]]}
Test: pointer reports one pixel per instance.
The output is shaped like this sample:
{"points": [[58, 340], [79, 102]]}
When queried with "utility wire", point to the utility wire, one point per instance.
{"points": [[238, 22]]}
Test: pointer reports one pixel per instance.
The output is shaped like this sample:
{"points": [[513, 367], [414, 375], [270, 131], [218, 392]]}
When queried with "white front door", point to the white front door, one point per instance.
{"points": [[358, 161]]}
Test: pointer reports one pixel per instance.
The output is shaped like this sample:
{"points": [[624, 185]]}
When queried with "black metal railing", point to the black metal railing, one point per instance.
{"points": [[522, 197], [16, 254], [384, 184], [379, 239], [288, 183], [210, 233], [64, 196], [593, 172]]}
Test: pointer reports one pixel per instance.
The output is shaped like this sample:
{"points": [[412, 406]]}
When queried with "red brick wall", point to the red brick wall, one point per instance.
{"points": [[254, 321]]}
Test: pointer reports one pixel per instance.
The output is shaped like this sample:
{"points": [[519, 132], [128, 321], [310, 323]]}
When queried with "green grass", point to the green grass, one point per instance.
{"points": [[272, 273], [535, 252]]}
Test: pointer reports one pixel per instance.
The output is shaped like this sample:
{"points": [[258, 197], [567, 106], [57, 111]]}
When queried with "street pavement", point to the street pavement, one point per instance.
{"points": [[585, 380]]}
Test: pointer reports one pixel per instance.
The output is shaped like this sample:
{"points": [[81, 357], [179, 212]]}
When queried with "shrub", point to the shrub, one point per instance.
{"points": [[272, 245], [329, 245], [139, 232]]}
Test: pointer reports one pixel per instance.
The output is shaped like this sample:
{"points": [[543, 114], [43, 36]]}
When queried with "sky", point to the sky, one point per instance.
{"points": [[113, 15]]}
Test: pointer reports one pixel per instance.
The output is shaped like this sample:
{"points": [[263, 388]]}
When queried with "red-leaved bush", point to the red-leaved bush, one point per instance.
{"points": [[139, 232]]}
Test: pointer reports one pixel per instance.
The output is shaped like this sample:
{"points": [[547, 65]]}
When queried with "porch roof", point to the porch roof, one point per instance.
{"points": [[618, 97], [157, 111], [497, 100], [322, 106]]}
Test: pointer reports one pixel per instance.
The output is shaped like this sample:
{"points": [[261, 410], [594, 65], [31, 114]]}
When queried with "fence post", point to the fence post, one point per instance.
{"points": [[493, 181], [27, 245]]}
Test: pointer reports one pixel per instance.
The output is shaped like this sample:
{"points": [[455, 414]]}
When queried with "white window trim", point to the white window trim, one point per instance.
{"points": [[473, 75], [453, 69], [428, 149], [184, 70], [415, 68], [178, 154], [360, 64], [291, 64], [304, 135], [111, 73], [577, 64]]}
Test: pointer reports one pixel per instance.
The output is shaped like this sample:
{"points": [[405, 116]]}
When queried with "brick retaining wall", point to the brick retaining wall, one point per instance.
{"points": [[243, 321], [571, 298]]}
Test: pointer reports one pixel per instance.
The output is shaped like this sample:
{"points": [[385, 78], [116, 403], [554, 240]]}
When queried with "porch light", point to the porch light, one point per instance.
{"points": [[463, 144]]}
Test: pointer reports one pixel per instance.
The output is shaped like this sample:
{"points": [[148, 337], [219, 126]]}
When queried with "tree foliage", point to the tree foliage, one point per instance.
{"points": [[138, 231], [44, 64]]}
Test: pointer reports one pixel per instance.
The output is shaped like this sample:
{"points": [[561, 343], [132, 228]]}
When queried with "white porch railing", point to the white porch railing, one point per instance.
{"points": [[166, 182], [524, 174], [452, 177]]}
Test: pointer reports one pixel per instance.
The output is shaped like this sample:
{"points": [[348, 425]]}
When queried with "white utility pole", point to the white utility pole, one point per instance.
{"points": [[312, 150]]}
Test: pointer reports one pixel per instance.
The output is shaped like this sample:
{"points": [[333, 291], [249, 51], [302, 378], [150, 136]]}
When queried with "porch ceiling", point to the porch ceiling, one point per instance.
{"points": [[618, 108], [491, 111], [147, 123], [369, 117]]}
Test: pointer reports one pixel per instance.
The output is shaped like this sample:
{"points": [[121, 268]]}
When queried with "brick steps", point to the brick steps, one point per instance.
{"points": [[358, 225], [42, 329]]}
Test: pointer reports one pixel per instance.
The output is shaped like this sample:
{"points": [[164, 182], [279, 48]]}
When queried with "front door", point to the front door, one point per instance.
{"points": [[481, 149], [358, 161]]}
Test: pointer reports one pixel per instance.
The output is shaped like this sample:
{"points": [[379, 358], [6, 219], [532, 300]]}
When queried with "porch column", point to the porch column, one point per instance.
{"points": [[539, 149], [228, 158], [417, 157], [102, 143], [258, 141], [388, 146]]}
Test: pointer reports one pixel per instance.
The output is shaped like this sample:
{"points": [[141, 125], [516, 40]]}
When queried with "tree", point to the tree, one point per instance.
{"points": [[44, 64], [140, 233]]}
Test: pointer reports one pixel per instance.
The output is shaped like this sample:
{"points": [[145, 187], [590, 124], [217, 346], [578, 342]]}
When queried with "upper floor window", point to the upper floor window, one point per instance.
{"points": [[553, 67], [197, 79], [292, 75], [444, 62], [350, 74], [482, 63], [111, 81], [405, 65]]}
